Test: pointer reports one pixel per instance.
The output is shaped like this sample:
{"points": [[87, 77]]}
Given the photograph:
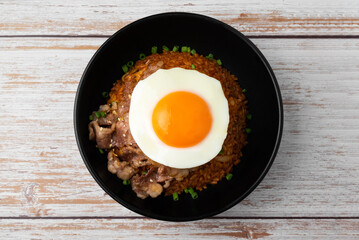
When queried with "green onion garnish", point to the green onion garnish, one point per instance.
{"points": [[244, 90], [126, 182], [184, 49], [194, 195], [101, 150], [193, 52], [186, 190], [125, 68], [210, 56], [97, 114], [229, 176], [222, 151], [154, 50], [129, 64], [248, 130], [105, 94], [164, 47], [175, 48], [249, 116], [188, 49], [219, 62], [90, 117], [175, 196], [193, 66], [142, 56], [103, 114], [144, 173]]}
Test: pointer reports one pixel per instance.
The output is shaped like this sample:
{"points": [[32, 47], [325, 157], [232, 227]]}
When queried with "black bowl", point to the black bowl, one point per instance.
{"points": [[239, 55]]}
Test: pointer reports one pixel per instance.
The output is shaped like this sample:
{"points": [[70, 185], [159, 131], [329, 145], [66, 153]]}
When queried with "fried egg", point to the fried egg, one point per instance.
{"points": [[179, 117]]}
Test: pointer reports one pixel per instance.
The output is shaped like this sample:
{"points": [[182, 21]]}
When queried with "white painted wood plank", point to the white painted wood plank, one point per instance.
{"points": [[258, 17], [287, 229], [315, 174]]}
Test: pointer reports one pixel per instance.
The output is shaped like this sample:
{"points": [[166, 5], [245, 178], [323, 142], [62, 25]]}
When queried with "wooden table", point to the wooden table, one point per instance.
{"points": [[312, 189]]}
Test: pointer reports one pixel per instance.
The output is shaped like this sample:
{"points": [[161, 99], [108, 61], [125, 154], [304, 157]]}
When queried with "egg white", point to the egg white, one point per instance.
{"points": [[146, 95]]}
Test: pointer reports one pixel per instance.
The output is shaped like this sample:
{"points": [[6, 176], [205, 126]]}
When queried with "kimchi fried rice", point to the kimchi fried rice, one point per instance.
{"points": [[109, 127]]}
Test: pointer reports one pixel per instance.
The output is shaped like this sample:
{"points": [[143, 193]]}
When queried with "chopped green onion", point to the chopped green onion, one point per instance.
{"points": [[248, 130], [103, 114], [154, 50], [219, 62], [175, 48], [193, 52], [210, 56], [188, 49], [175, 196], [97, 114], [244, 90], [105, 94], [129, 64], [186, 190], [90, 117], [222, 151], [144, 173], [194, 195], [142, 56], [125, 68], [164, 47], [229, 176], [193, 66], [249, 116], [184, 49], [126, 182], [101, 151]]}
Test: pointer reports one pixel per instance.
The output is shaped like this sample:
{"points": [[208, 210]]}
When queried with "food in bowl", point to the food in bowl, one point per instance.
{"points": [[174, 122]]}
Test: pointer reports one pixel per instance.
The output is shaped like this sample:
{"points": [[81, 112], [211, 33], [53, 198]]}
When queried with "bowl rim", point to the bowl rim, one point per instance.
{"points": [[274, 151]]}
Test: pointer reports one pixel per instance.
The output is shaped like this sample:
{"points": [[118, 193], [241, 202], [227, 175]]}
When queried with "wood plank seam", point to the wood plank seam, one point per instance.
{"points": [[214, 218], [247, 35]]}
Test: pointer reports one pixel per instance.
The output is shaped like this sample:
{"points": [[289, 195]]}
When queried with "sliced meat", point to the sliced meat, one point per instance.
{"points": [[111, 114], [114, 106], [104, 108], [154, 189], [122, 169], [144, 188], [222, 158], [156, 175], [151, 68], [108, 120], [139, 161], [176, 173], [122, 136], [122, 110], [167, 184], [103, 136], [124, 107], [138, 188], [150, 184], [133, 156]]}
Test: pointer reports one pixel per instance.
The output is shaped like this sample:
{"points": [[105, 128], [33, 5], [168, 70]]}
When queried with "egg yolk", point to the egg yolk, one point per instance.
{"points": [[181, 119]]}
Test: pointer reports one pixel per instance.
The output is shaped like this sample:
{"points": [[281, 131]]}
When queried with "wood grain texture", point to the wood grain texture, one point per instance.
{"points": [[205, 229], [312, 189], [258, 17], [314, 175]]}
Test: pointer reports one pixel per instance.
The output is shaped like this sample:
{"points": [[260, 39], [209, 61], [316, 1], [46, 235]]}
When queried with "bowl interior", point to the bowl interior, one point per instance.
{"points": [[238, 55]]}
